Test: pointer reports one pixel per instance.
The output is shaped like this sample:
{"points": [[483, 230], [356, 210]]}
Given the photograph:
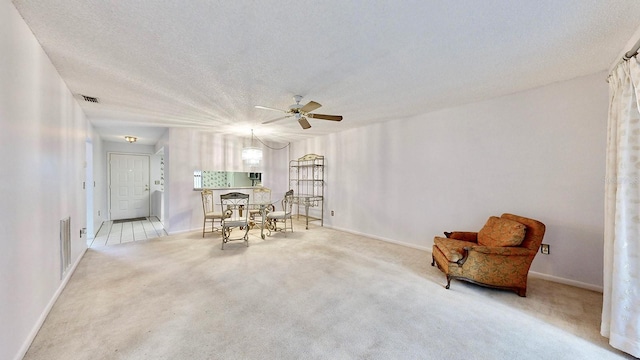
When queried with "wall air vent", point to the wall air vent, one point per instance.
{"points": [[65, 246], [90, 99]]}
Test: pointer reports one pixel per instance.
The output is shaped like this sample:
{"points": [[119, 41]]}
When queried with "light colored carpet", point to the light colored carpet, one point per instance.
{"points": [[316, 294]]}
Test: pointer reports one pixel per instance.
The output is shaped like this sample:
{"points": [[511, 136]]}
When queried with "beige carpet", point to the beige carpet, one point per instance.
{"points": [[316, 294]]}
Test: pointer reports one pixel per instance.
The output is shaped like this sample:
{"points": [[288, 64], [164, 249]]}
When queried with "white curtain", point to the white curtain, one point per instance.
{"points": [[621, 305]]}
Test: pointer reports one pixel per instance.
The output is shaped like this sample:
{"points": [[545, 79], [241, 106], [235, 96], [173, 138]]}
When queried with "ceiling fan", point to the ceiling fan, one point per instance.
{"points": [[301, 112]]}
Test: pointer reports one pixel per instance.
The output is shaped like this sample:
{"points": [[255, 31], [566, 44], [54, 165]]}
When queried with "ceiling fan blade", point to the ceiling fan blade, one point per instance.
{"points": [[311, 105], [274, 120], [269, 108], [304, 123], [326, 117]]}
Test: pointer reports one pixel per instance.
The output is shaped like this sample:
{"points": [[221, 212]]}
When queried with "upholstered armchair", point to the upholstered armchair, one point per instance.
{"points": [[498, 256]]}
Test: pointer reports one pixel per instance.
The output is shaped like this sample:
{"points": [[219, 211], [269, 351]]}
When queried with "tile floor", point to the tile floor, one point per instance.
{"points": [[111, 233]]}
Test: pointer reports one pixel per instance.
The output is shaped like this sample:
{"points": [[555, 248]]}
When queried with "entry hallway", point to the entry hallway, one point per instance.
{"points": [[120, 232]]}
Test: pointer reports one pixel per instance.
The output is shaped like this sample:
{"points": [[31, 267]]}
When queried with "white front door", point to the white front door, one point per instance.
{"points": [[128, 186]]}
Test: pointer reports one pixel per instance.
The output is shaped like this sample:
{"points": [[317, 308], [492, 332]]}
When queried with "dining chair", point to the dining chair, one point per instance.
{"points": [[260, 201], [281, 216], [235, 206], [210, 215]]}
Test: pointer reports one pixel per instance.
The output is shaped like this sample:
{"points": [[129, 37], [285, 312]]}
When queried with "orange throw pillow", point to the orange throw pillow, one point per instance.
{"points": [[501, 232]]}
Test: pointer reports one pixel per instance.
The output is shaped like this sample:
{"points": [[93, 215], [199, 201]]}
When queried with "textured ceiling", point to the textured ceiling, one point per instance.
{"points": [[205, 64]]}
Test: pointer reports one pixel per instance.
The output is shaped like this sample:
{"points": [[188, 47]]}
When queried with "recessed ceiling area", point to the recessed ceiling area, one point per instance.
{"points": [[117, 130], [205, 65]]}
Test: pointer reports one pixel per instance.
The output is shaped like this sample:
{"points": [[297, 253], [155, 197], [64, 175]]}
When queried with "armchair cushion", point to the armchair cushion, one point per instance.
{"points": [[499, 232]]}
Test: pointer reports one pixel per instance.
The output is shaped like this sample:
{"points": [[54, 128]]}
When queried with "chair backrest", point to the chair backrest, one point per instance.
{"points": [[237, 203], [535, 231], [261, 195], [287, 202], [207, 201]]}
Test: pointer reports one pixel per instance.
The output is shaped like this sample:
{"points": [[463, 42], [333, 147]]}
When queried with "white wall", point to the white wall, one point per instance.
{"points": [[190, 150], [162, 147], [99, 178], [43, 153], [100, 189], [539, 153]]}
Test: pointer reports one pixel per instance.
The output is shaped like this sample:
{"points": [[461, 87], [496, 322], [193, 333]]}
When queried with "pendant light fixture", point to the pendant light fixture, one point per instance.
{"points": [[251, 155]]}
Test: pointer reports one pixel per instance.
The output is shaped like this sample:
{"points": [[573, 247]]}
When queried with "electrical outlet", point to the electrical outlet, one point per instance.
{"points": [[332, 213], [544, 248]]}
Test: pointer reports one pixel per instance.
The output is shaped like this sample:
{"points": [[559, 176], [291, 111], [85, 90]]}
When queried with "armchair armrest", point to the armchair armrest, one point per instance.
{"points": [[462, 235]]}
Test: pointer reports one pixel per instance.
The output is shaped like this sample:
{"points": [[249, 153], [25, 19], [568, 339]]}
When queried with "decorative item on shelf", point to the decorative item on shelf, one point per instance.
{"points": [[131, 139], [252, 155]]}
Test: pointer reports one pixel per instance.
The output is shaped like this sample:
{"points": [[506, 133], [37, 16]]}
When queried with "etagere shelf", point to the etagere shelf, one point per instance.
{"points": [[306, 177]]}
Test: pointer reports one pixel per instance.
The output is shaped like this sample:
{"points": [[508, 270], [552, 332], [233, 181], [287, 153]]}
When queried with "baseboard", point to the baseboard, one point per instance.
{"points": [[183, 231], [413, 246], [566, 281], [36, 328], [428, 249]]}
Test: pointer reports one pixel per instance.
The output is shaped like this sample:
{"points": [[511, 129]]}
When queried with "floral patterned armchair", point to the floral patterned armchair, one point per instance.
{"points": [[498, 256]]}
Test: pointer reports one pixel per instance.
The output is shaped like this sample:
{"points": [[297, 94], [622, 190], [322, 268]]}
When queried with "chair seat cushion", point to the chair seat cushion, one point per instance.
{"points": [[213, 215], [452, 249], [277, 215], [499, 232], [234, 223]]}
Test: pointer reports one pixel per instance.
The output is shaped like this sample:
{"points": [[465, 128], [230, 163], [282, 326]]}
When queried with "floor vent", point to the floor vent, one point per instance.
{"points": [[90, 99], [65, 246]]}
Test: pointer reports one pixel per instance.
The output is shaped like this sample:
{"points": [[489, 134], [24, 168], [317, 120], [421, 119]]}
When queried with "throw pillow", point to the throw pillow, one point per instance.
{"points": [[501, 232]]}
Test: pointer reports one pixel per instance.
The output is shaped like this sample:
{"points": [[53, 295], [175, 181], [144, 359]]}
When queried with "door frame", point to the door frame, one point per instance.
{"points": [[109, 153], [89, 189]]}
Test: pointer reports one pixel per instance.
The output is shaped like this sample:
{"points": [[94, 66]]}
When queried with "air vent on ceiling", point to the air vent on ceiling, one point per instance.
{"points": [[90, 99]]}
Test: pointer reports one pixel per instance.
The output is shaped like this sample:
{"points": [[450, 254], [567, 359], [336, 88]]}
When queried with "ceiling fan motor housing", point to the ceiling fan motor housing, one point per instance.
{"points": [[295, 108]]}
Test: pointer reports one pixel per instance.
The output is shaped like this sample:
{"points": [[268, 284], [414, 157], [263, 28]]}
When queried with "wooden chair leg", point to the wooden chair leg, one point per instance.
{"points": [[448, 282]]}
